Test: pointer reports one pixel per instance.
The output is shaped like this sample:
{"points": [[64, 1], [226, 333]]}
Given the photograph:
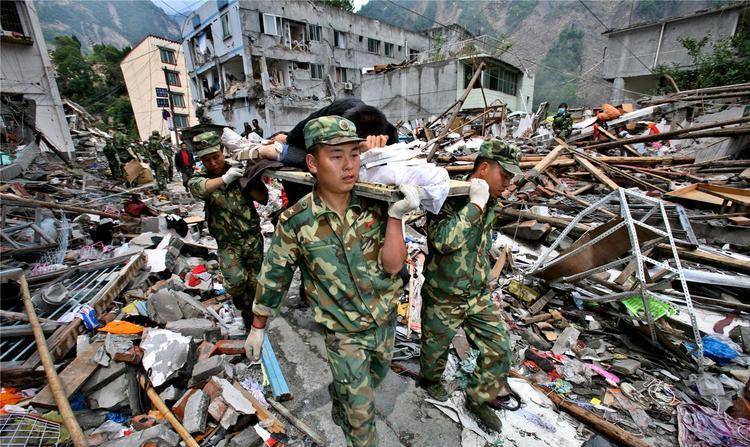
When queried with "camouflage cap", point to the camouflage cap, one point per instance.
{"points": [[206, 143], [331, 130], [507, 155], [155, 133]]}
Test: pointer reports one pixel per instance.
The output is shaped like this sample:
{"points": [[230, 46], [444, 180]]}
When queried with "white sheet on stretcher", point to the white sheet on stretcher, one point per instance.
{"points": [[403, 169]]}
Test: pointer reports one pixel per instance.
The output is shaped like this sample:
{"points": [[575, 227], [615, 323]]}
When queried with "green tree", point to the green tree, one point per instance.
{"points": [[95, 81], [726, 62], [346, 5], [75, 77]]}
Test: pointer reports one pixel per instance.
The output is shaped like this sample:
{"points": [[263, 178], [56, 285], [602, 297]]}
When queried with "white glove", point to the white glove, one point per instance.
{"points": [[254, 343], [232, 174], [410, 202], [479, 192]]}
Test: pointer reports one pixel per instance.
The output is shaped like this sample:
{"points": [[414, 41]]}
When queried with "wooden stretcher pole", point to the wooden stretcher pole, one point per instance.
{"points": [[55, 385], [168, 415]]}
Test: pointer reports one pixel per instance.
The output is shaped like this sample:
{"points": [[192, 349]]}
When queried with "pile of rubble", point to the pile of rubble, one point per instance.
{"points": [[621, 262]]}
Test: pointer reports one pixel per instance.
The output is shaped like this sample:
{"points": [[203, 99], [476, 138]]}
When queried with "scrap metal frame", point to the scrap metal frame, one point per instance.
{"points": [[622, 197], [64, 337]]}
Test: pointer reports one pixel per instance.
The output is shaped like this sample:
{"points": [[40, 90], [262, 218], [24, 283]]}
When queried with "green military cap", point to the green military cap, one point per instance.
{"points": [[206, 143], [155, 133], [507, 155], [331, 130]]}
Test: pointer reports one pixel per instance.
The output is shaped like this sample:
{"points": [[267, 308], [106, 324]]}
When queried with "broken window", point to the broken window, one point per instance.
{"points": [[270, 24], [500, 79], [373, 46], [340, 39], [178, 100], [468, 74], [180, 121], [388, 47], [167, 56], [173, 78], [413, 54], [225, 30], [341, 75], [11, 19], [314, 32], [316, 71]]}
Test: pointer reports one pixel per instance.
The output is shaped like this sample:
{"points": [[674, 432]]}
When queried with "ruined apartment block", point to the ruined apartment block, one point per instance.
{"points": [[277, 61]]}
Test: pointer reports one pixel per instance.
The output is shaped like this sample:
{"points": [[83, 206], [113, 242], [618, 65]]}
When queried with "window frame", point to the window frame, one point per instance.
{"points": [[318, 32], [165, 50], [19, 15], [177, 104], [342, 75], [226, 28], [177, 76], [377, 45], [276, 24], [181, 116], [313, 68], [162, 92], [162, 102], [336, 35], [387, 53]]}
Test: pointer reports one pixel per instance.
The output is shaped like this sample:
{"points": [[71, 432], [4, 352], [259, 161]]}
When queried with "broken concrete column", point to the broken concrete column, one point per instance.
{"points": [[196, 414], [157, 435]]}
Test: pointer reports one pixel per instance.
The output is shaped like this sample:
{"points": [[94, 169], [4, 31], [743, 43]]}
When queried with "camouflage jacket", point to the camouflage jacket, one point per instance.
{"points": [[120, 144], [230, 213], [153, 149], [562, 123], [348, 289], [459, 239]]}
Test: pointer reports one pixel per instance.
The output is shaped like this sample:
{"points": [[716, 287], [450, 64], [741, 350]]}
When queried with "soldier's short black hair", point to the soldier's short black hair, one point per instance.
{"points": [[563, 104]]}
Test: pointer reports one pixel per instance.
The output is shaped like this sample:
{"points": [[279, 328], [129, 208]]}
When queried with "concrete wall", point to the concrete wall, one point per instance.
{"points": [[637, 50], [424, 90], [142, 70], [413, 92], [26, 70]]}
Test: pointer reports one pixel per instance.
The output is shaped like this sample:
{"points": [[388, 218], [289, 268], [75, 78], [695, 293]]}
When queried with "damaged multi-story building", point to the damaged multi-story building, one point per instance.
{"points": [[31, 111], [277, 61]]}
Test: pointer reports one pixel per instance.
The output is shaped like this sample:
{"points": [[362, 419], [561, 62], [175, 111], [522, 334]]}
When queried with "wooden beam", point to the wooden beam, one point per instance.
{"points": [[72, 377], [596, 172]]}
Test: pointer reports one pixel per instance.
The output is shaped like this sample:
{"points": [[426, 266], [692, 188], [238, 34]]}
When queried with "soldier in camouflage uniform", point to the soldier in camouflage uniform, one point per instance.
{"points": [[562, 123], [232, 221], [120, 144], [349, 250], [456, 291], [113, 159], [156, 160]]}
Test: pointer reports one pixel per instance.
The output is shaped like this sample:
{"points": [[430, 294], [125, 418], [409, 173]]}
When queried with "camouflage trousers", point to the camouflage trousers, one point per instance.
{"points": [[485, 331], [240, 265], [359, 363], [115, 167]]}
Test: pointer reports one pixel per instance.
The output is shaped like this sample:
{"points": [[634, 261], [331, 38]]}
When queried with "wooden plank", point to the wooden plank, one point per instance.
{"points": [[72, 377], [705, 257], [377, 191], [498, 267], [541, 302], [596, 172], [268, 420], [628, 147]]}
